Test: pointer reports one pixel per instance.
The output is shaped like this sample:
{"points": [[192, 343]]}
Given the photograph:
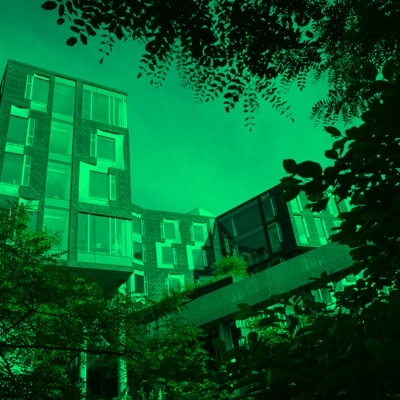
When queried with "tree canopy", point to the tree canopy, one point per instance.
{"points": [[50, 317], [250, 50]]}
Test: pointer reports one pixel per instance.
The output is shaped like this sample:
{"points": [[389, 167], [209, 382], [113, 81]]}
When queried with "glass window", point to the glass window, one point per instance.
{"points": [[12, 168], [246, 219], [138, 251], [99, 185], [104, 106], [137, 225], [56, 222], [322, 231], [64, 96], [302, 229], [275, 236], [198, 232], [58, 183], [17, 129], [269, 207], [137, 283], [175, 283], [106, 148], [37, 90], [332, 206], [167, 255], [61, 134], [103, 235], [170, 230], [198, 258], [296, 205]]}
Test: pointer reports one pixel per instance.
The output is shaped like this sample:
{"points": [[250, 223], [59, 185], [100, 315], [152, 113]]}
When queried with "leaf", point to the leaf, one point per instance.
{"points": [[83, 39], [72, 41], [309, 169], [49, 5], [331, 154], [290, 166], [60, 21], [333, 131]]}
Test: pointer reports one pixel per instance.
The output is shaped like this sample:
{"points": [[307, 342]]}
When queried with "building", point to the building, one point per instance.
{"points": [[64, 149], [267, 230]]}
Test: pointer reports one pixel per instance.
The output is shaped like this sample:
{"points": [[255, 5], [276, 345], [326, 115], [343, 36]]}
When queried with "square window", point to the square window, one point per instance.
{"points": [[175, 283], [169, 230], [137, 225], [99, 185], [138, 251], [106, 148], [137, 283], [167, 255], [12, 168], [17, 129], [198, 258], [302, 230], [198, 232]]}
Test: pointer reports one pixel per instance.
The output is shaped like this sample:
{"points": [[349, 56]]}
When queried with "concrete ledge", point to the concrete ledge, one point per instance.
{"points": [[258, 288]]}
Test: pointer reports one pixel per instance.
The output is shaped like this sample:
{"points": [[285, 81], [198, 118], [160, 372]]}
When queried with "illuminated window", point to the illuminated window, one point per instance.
{"points": [[322, 230], [296, 205], [303, 233], [104, 106], [37, 90]]}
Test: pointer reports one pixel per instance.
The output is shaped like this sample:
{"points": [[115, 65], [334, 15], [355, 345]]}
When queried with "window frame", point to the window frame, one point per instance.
{"points": [[159, 253], [305, 229], [203, 226], [175, 223], [132, 280], [29, 89]]}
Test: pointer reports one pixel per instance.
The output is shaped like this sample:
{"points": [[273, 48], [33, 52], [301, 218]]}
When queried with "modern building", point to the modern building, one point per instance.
{"points": [[64, 148], [267, 230]]}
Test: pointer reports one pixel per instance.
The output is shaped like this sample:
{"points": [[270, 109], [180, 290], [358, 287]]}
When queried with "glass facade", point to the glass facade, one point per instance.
{"points": [[64, 96], [103, 235], [303, 233], [104, 106], [61, 135], [56, 222], [58, 183]]}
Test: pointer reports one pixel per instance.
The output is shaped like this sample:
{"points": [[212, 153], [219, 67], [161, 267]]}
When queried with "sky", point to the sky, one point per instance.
{"points": [[183, 155]]}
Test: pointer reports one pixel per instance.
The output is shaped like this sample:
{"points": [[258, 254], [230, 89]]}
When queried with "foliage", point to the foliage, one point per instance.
{"points": [[49, 317], [230, 265], [250, 50]]}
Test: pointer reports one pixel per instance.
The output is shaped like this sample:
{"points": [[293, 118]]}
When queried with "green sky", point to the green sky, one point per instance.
{"points": [[183, 155]]}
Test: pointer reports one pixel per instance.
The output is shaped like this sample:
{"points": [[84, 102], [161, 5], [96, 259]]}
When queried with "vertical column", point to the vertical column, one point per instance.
{"points": [[122, 367], [83, 375]]}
